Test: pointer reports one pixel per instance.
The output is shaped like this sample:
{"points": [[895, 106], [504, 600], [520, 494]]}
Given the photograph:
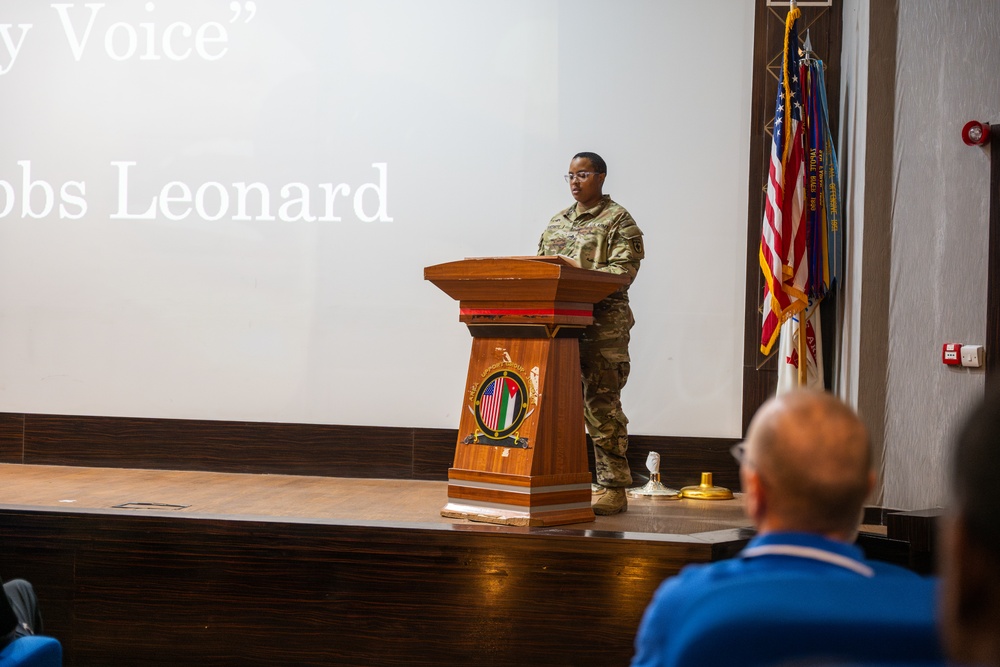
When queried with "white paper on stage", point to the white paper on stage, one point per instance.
{"points": [[222, 210]]}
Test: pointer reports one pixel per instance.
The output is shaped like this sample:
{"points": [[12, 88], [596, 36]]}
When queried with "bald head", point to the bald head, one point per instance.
{"points": [[807, 465]]}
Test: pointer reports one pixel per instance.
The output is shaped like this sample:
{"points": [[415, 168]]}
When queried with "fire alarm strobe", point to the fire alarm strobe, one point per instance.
{"points": [[951, 354], [975, 133]]}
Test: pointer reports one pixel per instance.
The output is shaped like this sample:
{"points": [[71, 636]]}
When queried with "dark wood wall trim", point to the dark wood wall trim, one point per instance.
{"points": [[299, 449], [993, 271], [759, 375]]}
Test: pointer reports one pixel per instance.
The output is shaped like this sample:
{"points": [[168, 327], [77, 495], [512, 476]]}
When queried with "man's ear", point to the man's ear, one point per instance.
{"points": [[755, 496]]}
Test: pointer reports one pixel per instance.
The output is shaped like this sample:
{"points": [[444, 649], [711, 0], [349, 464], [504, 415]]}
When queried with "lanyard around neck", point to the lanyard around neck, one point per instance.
{"points": [[811, 553]]}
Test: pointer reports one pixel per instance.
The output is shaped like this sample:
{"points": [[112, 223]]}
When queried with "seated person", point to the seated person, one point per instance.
{"points": [[19, 613], [970, 564], [806, 471]]}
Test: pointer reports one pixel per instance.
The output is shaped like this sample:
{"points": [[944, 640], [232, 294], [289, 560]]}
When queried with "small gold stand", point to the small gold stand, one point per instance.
{"points": [[706, 491]]}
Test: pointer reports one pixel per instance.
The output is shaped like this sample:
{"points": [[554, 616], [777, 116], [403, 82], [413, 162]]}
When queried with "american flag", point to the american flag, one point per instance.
{"points": [[499, 404], [783, 231]]}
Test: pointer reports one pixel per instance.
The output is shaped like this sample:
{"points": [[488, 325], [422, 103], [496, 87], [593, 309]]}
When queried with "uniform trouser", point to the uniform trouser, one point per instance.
{"points": [[602, 408], [24, 602]]}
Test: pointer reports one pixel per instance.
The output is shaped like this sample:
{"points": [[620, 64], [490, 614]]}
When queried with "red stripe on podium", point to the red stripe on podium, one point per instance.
{"points": [[525, 311]]}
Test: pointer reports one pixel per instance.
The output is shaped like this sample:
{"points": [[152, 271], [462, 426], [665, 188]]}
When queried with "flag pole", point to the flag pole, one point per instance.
{"points": [[803, 348]]}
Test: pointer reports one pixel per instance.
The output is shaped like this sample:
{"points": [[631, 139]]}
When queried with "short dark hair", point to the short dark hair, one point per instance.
{"points": [[975, 465], [600, 166]]}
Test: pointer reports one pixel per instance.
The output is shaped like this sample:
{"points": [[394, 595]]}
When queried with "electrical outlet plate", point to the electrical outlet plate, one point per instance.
{"points": [[972, 356]]}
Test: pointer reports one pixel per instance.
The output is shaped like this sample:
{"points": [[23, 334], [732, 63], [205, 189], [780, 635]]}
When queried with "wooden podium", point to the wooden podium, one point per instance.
{"points": [[521, 455]]}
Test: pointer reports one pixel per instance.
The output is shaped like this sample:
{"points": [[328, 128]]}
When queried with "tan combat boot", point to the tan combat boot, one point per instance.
{"points": [[612, 501]]}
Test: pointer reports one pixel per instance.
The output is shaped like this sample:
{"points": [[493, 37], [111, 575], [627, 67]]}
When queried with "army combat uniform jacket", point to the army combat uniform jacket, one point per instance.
{"points": [[605, 238]]}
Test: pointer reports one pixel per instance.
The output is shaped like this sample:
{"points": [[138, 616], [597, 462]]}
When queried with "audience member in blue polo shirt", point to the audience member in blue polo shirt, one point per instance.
{"points": [[806, 471]]}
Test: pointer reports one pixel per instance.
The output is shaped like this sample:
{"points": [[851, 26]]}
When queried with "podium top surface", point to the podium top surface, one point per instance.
{"points": [[533, 278]]}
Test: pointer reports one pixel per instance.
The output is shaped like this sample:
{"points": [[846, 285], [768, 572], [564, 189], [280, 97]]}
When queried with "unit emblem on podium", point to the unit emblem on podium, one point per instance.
{"points": [[500, 406]]}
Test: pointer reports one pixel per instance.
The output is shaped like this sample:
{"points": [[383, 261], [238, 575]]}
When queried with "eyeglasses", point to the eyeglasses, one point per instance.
{"points": [[739, 451], [580, 176]]}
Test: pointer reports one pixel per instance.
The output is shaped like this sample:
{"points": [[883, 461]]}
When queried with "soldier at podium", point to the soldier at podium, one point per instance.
{"points": [[600, 234]]}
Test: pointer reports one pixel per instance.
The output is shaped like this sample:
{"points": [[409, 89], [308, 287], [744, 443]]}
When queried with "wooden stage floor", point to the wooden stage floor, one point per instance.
{"points": [[323, 499], [255, 569]]}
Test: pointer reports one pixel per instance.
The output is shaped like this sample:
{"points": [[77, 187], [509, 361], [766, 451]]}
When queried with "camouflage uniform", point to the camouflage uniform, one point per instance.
{"points": [[605, 238]]}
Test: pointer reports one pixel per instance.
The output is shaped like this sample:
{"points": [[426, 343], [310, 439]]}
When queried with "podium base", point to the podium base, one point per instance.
{"points": [[519, 500], [510, 517]]}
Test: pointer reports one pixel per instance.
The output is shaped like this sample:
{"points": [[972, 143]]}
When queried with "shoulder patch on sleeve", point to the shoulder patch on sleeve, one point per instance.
{"points": [[630, 230]]}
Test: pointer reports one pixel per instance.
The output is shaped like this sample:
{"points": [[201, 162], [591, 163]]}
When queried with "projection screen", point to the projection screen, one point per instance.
{"points": [[222, 210]]}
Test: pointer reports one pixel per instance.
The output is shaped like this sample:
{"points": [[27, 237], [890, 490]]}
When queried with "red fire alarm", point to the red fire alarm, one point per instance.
{"points": [[975, 133], [951, 354]]}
